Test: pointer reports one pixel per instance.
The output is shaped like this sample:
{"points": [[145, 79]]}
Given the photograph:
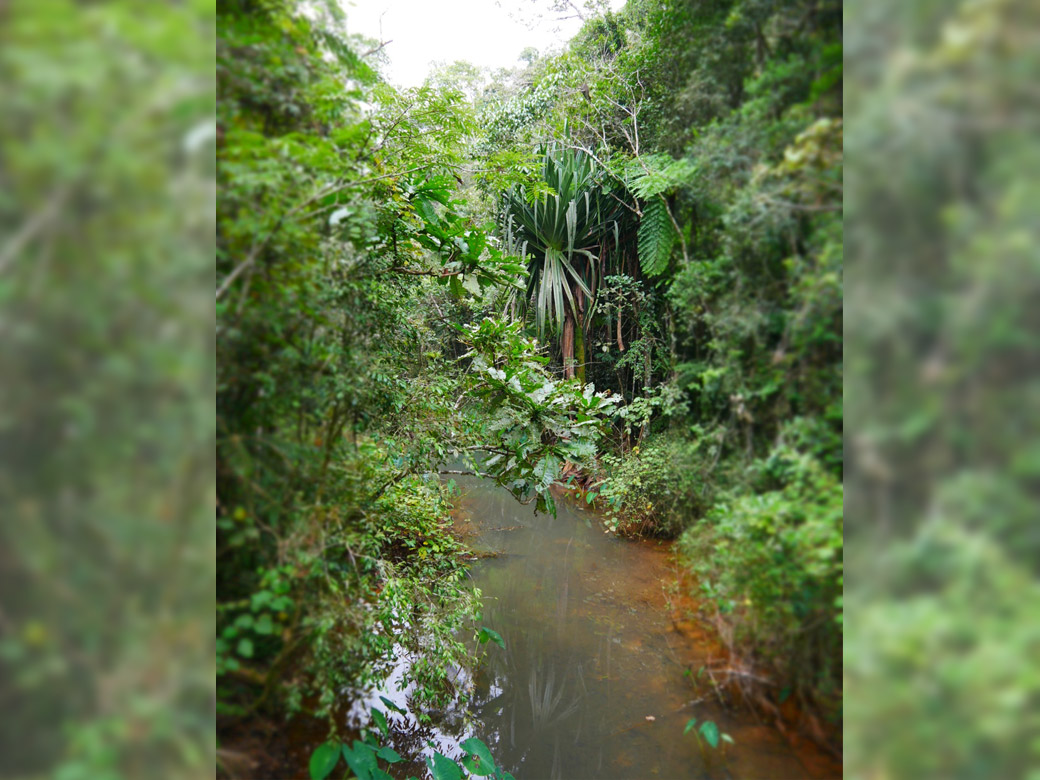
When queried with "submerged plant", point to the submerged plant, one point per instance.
{"points": [[709, 730]]}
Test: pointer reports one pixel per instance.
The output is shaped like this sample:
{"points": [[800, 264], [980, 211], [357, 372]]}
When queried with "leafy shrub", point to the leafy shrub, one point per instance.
{"points": [[770, 569], [347, 595], [661, 487]]}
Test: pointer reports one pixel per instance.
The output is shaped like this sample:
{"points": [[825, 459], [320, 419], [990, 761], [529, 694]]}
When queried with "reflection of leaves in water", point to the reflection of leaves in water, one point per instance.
{"points": [[551, 698], [545, 704]]}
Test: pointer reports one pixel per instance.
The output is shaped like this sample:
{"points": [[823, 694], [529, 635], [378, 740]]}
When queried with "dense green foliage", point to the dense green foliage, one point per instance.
{"points": [[565, 235], [358, 232], [330, 540], [662, 199]]}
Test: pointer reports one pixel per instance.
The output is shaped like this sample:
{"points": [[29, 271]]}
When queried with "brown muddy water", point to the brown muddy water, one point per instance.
{"points": [[591, 682]]}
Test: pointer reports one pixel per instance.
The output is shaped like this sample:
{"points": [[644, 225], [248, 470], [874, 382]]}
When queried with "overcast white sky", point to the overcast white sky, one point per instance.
{"points": [[426, 31]]}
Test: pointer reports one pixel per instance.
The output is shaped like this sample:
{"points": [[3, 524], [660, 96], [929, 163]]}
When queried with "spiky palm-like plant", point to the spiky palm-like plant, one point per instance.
{"points": [[563, 237]]}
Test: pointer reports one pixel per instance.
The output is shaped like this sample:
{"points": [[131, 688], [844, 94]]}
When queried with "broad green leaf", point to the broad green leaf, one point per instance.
{"points": [[324, 760], [456, 287], [264, 625], [380, 719], [361, 759], [710, 732], [478, 760], [443, 768], [261, 599], [425, 208], [689, 725], [486, 634], [245, 648], [546, 503], [390, 705], [389, 755]]}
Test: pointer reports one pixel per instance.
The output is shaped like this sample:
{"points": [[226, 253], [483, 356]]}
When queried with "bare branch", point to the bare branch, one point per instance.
{"points": [[397, 269], [377, 48]]}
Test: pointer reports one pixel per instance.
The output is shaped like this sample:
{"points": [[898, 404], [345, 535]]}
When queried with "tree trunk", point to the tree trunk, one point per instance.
{"points": [[579, 352], [567, 343], [579, 335], [647, 376]]}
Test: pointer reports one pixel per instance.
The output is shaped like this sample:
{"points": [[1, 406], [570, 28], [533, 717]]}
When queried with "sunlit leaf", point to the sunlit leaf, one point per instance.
{"points": [[380, 719]]}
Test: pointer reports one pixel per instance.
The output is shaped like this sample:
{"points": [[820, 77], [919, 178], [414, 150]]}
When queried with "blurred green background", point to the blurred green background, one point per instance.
{"points": [[106, 389], [942, 654]]}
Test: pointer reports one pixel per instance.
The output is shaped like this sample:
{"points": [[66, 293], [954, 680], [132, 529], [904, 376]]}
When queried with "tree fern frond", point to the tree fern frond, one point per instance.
{"points": [[656, 238]]}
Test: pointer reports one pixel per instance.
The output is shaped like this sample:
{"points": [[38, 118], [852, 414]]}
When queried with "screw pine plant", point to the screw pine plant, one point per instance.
{"points": [[564, 237]]}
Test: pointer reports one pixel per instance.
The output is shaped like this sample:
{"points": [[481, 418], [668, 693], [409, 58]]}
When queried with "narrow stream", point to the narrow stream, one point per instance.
{"points": [[591, 681]]}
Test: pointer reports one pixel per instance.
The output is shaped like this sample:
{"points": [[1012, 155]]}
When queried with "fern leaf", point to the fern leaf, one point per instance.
{"points": [[656, 238]]}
